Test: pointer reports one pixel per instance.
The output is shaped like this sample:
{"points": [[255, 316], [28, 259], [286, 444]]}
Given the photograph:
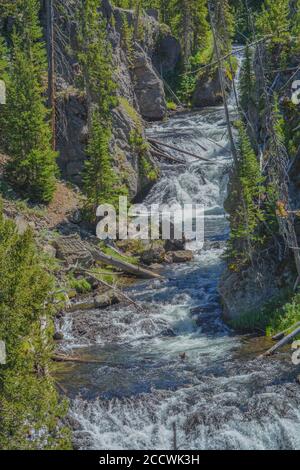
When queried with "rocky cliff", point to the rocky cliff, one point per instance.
{"points": [[139, 87]]}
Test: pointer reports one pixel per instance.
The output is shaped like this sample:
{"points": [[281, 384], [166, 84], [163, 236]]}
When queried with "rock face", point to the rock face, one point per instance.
{"points": [[140, 90], [247, 292], [148, 87], [208, 90], [167, 54]]}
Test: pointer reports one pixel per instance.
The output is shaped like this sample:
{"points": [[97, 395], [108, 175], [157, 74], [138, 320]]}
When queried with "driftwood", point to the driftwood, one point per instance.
{"points": [[124, 265], [179, 150], [109, 286], [282, 334], [161, 154], [286, 340]]}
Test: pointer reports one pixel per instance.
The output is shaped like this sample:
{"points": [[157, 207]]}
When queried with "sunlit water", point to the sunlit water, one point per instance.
{"points": [[220, 396]]}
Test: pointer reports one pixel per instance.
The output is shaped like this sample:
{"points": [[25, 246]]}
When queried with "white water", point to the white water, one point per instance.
{"points": [[217, 398]]}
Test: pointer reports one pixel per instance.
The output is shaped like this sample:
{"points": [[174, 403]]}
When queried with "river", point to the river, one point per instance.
{"points": [[143, 394]]}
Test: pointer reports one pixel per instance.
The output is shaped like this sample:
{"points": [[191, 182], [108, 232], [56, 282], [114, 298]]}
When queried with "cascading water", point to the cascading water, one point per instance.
{"points": [[218, 396]]}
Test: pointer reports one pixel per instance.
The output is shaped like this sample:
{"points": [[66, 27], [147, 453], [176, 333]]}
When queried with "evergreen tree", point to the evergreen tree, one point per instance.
{"points": [[101, 183], [190, 24], [30, 410], [247, 214], [274, 20], [247, 80], [24, 120], [96, 58]]}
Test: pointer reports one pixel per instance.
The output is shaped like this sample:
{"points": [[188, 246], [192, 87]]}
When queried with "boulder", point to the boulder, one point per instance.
{"points": [[49, 250], [153, 255], [183, 256], [106, 299], [175, 245], [148, 87], [58, 336], [208, 90], [22, 224]]}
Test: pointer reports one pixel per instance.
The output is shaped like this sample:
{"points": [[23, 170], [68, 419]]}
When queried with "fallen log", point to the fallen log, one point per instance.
{"points": [[109, 286], [179, 150], [160, 154], [282, 334], [286, 340], [124, 265]]}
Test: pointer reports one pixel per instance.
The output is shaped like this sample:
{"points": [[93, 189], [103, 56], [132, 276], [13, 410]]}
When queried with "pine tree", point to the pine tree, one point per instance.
{"points": [[101, 183], [247, 80], [30, 409], [244, 198], [274, 20], [96, 58], [189, 22], [25, 120]]}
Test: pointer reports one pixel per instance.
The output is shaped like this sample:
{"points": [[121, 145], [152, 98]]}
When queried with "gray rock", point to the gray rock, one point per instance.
{"points": [[49, 250], [183, 256], [242, 293], [22, 224], [58, 336], [148, 87], [107, 299], [174, 245], [208, 90], [153, 255]]}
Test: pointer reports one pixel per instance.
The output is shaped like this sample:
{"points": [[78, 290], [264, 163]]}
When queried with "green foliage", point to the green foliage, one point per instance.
{"points": [[24, 121], [171, 106], [101, 183], [244, 198], [127, 39], [141, 147], [128, 259], [285, 316], [30, 410], [247, 81], [131, 113], [95, 58], [81, 285], [274, 20]]}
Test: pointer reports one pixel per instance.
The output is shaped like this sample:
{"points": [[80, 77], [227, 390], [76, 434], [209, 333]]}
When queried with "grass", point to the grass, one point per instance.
{"points": [[128, 259], [131, 113], [81, 285], [171, 106]]}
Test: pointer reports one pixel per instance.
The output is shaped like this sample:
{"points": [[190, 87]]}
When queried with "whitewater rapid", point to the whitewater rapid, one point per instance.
{"points": [[218, 395]]}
